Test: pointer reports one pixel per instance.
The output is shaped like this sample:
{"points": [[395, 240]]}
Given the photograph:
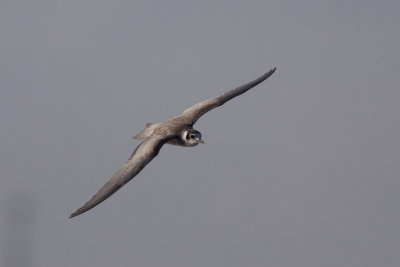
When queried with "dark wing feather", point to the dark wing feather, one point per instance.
{"points": [[192, 114], [142, 155]]}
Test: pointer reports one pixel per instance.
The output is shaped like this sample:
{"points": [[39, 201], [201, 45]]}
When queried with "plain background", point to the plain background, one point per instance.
{"points": [[303, 170]]}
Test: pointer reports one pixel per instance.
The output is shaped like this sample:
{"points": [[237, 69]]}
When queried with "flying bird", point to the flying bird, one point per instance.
{"points": [[176, 131]]}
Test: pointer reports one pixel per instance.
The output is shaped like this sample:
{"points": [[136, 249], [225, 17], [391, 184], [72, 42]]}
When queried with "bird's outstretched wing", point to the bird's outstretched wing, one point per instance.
{"points": [[192, 114], [142, 155]]}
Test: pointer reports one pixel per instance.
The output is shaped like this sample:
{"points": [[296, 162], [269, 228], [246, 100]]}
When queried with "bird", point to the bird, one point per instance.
{"points": [[176, 131]]}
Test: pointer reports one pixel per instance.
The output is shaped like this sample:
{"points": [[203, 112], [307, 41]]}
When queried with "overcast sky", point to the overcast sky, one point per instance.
{"points": [[303, 170]]}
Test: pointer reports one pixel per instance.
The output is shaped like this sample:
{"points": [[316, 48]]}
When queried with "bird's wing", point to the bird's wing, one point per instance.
{"points": [[192, 114], [142, 155]]}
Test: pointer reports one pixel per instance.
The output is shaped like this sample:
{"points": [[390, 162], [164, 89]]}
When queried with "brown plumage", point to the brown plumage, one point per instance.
{"points": [[176, 131]]}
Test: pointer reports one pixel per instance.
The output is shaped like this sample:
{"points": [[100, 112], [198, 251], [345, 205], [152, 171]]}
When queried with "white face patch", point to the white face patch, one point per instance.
{"points": [[185, 136]]}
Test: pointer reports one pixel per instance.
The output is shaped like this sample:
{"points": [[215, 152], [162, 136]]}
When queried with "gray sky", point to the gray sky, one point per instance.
{"points": [[301, 171]]}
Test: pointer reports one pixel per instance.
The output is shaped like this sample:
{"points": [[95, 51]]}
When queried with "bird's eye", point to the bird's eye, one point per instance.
{"points": [[192, 136]]}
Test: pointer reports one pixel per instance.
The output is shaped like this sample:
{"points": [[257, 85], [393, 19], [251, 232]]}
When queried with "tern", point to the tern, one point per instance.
{"points": [[176, 131]]}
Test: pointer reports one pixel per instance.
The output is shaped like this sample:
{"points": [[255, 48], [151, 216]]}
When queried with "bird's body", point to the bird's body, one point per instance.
{"points": [[170, 127], [176, 131]]}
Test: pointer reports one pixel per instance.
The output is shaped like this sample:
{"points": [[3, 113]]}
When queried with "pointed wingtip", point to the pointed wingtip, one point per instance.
{"points": [[266, 75], [76, 213]]}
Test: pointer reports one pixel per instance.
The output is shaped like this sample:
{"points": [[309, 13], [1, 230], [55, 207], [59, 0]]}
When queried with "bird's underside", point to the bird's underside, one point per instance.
{"points": [[177, 131]]}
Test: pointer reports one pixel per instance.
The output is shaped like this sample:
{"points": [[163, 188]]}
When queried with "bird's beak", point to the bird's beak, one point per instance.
{"points": [[200, 141]]}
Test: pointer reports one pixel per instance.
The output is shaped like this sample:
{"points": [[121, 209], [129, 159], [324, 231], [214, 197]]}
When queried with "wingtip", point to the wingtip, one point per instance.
{"points": [[269, 73], [76, 213]]}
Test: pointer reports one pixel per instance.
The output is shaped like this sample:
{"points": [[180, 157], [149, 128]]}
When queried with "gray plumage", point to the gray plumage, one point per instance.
{"points": [[176, 131]]}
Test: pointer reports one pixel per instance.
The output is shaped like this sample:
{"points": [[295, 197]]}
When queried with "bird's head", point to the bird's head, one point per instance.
{"points": [[192, 137]]}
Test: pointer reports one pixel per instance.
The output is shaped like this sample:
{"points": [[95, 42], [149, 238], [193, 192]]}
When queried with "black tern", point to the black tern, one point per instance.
{"points": [[176, 131]]}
